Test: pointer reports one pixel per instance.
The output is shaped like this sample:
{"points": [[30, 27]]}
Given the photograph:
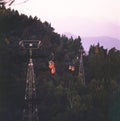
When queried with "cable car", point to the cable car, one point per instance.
{"points": [[51, 64], [53, 71], [71, 68]]}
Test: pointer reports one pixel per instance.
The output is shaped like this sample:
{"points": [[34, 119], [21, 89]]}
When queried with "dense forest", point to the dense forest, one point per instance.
{"points": [[97, 100]]}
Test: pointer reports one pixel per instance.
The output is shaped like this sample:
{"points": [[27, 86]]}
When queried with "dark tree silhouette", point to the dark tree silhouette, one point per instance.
{"points": [[4, 2]]}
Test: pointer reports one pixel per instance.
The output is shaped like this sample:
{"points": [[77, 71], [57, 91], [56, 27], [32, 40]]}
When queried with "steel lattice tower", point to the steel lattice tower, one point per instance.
{"points": [[81, 68], [30, 111]]}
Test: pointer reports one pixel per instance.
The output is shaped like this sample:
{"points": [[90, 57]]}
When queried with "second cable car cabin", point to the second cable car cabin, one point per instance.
{"points": [[71, 68]]}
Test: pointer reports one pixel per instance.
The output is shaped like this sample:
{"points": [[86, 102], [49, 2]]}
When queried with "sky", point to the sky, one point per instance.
{"points": [[78, 17]]}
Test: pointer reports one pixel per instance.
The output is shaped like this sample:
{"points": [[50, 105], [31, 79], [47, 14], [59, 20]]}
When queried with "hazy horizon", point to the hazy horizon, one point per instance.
{"points": [[79, 17]]}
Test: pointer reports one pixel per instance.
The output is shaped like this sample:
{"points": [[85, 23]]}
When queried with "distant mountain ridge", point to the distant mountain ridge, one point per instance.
{"points": [[105, 41]]}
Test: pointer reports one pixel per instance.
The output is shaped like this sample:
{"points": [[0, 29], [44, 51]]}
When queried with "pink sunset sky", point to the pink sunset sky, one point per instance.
{"points": [[78, 17]]}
